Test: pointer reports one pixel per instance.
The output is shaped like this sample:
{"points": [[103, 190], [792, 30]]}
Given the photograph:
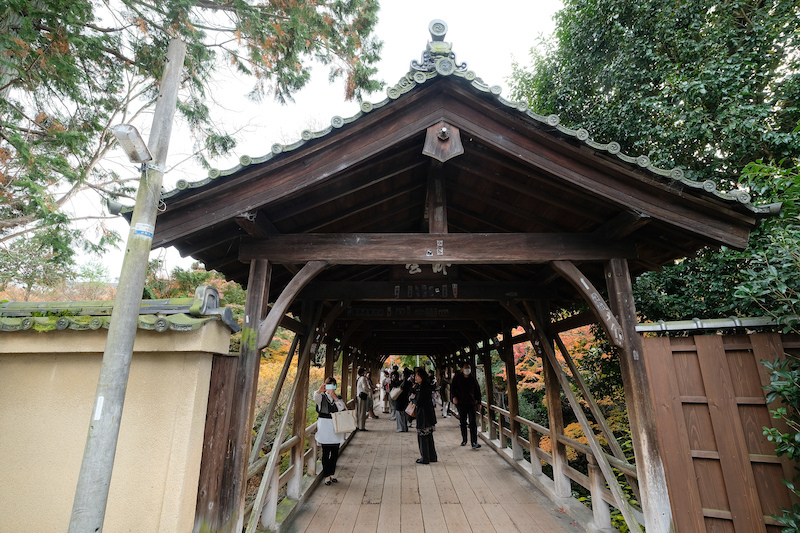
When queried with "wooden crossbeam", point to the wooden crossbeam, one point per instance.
{"points": [[400, 293], [453, 248]]}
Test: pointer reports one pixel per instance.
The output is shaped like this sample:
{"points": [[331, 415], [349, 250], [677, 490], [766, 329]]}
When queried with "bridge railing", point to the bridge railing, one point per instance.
{"points": [[496, 425], [290, 488]]}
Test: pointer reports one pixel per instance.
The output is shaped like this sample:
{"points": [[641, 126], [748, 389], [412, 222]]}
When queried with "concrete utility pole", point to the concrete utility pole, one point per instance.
{"points": [[91, 494]]}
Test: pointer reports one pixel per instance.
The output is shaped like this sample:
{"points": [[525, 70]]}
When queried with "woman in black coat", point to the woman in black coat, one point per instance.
{"points": [[426, 417]]}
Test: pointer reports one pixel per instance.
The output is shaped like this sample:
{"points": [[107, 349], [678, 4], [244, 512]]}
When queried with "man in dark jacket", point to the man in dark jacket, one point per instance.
{"points": [[466, 394]]}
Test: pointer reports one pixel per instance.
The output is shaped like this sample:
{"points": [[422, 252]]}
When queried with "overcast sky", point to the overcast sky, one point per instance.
{"points": [[488, 36]]}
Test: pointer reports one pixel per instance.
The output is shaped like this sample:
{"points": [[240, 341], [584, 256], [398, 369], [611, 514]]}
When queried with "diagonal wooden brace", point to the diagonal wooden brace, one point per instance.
{"points": [[568, 270]]}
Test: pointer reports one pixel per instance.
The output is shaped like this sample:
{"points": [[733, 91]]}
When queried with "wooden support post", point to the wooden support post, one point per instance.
{"points": [[488, 378], [345, 383], [555, 422], [437, 200], [597, 484], [641, 412], [234, 479], [533, 446], [310, 318], [513, 398]]}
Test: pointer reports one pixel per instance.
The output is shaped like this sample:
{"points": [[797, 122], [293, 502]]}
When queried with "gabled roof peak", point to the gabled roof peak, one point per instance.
{"points": [[439, 60]]}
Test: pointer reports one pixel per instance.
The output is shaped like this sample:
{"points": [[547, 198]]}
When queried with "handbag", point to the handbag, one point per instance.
{"points": [[411, 410], [343, 422], [363, 395], [395, 392]]}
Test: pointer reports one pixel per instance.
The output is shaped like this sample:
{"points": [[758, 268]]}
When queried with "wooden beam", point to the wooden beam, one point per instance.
{"points": [[257, 224], [454, 248], [371, 203], [593, 298], [447, 291], [614, 183], [437, 199], [575, 321], [623, 225], [267, 328], [528, 215], [613, 444]]}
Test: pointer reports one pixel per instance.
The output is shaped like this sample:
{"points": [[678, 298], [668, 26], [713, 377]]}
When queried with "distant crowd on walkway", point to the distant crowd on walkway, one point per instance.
{"points": [[411, 398]]}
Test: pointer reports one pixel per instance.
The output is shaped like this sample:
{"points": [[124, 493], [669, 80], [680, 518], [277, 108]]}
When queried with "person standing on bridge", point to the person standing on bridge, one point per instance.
{"points": [[402, 402], [466, 395], [363, 392], [426, 417], [328, 403], [444, 392]]}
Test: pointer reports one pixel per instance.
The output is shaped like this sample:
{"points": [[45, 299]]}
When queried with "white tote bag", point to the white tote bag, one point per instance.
{"points": [[344, 421]]}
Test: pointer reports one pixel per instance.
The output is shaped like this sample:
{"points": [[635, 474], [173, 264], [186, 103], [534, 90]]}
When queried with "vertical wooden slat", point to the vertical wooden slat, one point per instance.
{"points": [[687, 508], [597, 484], [215, 440], [513, 398], [489, 379], [733, 453], [294, 488]]}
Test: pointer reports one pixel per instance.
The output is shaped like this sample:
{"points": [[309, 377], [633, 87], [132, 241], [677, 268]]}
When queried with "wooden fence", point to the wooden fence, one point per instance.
{"points": [[722, 473]]}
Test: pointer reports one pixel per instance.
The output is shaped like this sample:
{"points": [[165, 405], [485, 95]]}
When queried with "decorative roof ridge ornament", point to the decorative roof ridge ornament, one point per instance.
{"points": [[438, 55]]}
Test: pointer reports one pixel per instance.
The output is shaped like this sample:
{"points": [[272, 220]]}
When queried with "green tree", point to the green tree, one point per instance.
{"points": [[713, 88], [36, 262], [70, 69], [707, 87]]}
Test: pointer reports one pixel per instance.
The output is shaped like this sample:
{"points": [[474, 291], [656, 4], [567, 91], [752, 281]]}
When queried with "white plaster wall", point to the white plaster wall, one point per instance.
{"points": [[47, 387]]}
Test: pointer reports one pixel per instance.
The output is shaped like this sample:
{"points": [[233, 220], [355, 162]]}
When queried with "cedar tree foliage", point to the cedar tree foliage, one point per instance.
{"points": [[69, 69]]}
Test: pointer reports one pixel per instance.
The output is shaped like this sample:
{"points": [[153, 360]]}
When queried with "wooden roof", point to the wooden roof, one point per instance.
{"points": [[519, 174]]}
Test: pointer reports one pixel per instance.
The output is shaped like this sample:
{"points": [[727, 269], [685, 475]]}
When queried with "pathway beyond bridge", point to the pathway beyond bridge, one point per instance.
{"points": [[382, 489]]}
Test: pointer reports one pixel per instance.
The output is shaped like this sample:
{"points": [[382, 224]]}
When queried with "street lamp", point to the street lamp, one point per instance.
{"points": [[132, 143]]}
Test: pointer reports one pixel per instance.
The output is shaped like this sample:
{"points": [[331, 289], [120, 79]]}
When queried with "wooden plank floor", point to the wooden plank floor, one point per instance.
{"points": [[381, 488]]}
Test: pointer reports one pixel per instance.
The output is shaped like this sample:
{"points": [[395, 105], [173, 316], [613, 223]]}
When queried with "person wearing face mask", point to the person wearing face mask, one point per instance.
{"points": [[328, 403], [466, 396], [426, 417]]}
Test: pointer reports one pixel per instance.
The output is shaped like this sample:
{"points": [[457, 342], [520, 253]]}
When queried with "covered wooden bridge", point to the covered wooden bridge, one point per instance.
{"points": [[432, 223]]}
